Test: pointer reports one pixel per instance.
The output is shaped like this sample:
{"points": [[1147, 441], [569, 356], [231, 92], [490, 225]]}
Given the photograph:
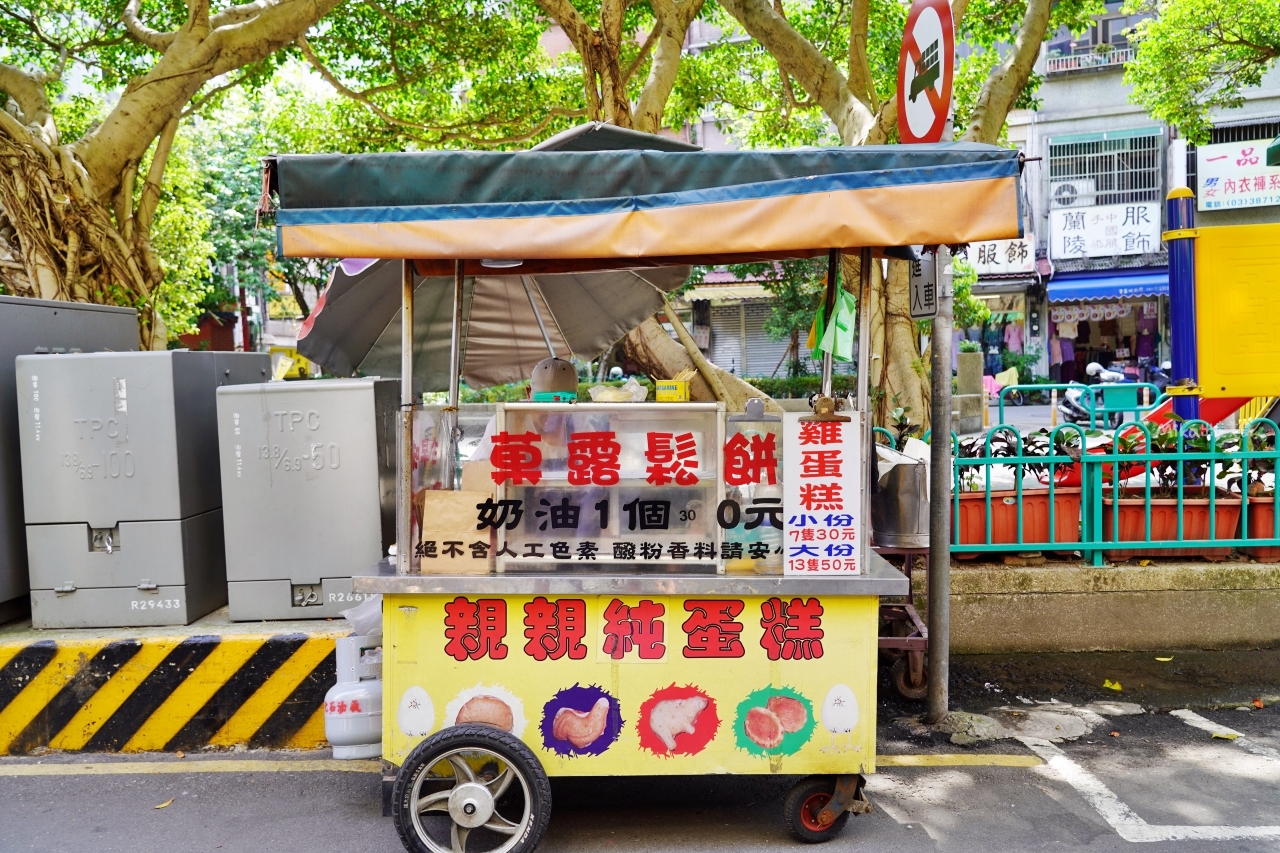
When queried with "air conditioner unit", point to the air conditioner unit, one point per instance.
{"points": [[1077, 192]]}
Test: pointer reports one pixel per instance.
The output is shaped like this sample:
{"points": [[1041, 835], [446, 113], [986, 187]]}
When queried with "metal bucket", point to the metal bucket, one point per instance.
{"points": [[900, 507]]}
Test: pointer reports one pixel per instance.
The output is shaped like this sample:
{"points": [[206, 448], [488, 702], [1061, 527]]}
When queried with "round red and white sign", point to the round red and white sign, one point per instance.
{"points": [[925, 70]]}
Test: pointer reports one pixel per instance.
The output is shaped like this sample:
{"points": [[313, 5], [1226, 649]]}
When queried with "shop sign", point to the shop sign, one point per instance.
{"points": [[1236, 174], [648, 684], [822, 497], [1004, 257], [1104, 231]]}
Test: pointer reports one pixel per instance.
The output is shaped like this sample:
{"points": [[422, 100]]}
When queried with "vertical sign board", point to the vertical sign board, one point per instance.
{"points": [[925, 69], [924, 288], [822, 497], [1238, 352]]}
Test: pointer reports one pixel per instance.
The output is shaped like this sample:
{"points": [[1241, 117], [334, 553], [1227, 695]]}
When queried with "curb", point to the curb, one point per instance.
{"points": [[165, 693]]}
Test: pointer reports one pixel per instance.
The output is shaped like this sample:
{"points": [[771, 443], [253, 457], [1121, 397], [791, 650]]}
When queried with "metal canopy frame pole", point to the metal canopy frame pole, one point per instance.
{"points": [[864, 337], [537, 315], [449, 421], [404, 483], [939, 577]]}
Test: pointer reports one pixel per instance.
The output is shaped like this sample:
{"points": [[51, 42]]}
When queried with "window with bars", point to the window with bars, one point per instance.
{"points": [[1085, 173]]}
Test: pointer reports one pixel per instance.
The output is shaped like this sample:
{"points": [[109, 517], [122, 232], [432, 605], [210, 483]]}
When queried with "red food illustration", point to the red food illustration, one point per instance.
{"points": [[790, 712], [486, 709], [764, 728], [677, 721], [581, 728]]}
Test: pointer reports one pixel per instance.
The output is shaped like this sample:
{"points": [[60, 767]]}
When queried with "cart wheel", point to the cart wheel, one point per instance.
{"points": [[802, 805], [1016, 398], [901, 677], [471, 789]]}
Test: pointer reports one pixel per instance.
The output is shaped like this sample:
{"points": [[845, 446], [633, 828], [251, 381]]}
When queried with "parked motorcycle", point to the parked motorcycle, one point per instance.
{"points": [[1072, 406]]}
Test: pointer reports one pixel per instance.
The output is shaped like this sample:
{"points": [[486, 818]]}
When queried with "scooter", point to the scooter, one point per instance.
{"points": [[1158, 375], [1072, 407]]}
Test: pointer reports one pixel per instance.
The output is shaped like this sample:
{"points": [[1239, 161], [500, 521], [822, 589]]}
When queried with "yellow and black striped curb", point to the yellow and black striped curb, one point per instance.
{"points": [[165, 693]]}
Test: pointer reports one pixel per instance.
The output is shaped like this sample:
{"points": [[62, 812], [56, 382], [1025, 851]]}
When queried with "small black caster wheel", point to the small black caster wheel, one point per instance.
{"points": [[804, 803], [900, 675], [471, 789]]}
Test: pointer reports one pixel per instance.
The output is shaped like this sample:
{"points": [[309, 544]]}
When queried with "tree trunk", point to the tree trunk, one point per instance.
{"points": [[65, 244], [660, 357]]}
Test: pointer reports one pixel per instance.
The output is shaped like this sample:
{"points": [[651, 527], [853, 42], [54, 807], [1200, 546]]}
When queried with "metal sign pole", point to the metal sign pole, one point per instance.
{"points": [[404, 483], [939, 577]]}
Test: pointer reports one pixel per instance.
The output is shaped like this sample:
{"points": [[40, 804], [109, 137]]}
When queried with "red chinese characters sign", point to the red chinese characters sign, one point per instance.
{"points": [[822, 497]]}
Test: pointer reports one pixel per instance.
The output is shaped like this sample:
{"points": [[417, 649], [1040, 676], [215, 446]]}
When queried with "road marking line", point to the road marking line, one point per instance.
{"points": [[1191, 718], [957, 760], [116, 768], [1122, 819]]}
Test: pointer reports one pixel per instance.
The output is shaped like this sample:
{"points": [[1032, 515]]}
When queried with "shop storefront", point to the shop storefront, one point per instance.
{"points": [[1008, 284], [1109, 317]]}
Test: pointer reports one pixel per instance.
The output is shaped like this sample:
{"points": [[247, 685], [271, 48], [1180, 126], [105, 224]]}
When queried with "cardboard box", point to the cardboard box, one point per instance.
{"points": [[445, 546], [672, 390]]}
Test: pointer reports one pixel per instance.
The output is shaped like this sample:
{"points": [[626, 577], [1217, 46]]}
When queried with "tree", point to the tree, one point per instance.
{"points": [[80, 210], [1196, 56], [796, 288], [842, 56]]}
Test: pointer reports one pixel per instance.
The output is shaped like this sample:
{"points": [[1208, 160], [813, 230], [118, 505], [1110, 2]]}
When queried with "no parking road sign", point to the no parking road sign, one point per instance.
{"points": [[925, 70]]}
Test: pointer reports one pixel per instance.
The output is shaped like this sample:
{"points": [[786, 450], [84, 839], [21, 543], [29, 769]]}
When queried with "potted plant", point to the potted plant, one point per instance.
{"points": [[1059, 450], [1260, 437], [1167, 478]]}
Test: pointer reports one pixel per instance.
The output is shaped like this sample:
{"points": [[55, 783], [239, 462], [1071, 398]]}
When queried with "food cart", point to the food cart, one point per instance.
{"points": [[630, 588]]}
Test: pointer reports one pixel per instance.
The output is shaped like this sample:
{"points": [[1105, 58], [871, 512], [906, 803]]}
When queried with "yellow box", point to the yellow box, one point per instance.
{"points": [[672, 390], [1238, 351]]}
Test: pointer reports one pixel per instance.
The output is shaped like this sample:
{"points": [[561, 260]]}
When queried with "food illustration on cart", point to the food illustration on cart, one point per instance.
{"points": [[617, 588]]}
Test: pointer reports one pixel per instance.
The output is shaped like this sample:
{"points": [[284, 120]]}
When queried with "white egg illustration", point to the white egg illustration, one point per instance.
{"points": [[840, 714], [416, 716]]}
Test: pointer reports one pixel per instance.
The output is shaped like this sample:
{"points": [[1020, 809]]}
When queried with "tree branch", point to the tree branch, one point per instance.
{"points": [[1007, 80], [140, 32], [861, 83], [672, 24], [885, 123], [239, 14], [155, 177], [798, 57], [645, 49], [28, 91]]}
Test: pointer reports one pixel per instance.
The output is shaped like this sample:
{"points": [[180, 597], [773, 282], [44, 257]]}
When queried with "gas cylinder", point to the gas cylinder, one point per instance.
{"points": [[353, 706]]}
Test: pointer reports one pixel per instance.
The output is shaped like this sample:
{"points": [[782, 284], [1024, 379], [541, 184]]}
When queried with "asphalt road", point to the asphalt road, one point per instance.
{"points": [[1157, 782]]}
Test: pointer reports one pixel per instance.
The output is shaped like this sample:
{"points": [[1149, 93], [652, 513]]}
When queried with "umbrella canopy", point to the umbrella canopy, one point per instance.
{"points": [[355, 328], [599, 207]]}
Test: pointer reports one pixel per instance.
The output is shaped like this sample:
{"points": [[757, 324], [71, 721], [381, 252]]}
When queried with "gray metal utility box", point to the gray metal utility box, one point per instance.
{"points": [[309, 492], [120, 484], [29, 326]]}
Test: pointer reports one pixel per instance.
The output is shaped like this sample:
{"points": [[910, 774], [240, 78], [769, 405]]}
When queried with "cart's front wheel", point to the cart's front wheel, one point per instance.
{"points": [[804, 803], [471, 789], [907, 687]]}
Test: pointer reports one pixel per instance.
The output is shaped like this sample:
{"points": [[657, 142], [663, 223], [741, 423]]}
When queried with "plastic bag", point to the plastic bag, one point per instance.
{"points": [[630, 391], [365, 617]]}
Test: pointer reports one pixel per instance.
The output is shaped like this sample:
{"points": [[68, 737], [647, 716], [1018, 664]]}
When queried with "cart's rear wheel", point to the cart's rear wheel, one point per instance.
{"points": [[471, 789], [804, 803], [900, 675]]}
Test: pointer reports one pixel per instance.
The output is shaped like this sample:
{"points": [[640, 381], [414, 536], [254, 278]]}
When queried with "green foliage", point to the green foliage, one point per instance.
{"points": [[796, 288], [1024, 361], [1198, 56], [800, 387], [969, 311], [970, 346], [179, 235]]}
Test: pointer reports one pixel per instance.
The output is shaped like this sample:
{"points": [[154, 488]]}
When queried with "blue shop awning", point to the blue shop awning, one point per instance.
{"points": [[1109, 285]]}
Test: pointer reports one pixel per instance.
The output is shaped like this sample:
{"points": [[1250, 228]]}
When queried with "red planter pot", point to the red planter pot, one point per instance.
{"points": [[972, 522], [1262, 513], [1164, 525]]}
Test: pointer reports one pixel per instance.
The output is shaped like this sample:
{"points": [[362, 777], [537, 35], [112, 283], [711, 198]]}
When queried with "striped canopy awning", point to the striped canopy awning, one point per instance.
{"points": [[563, 210]]}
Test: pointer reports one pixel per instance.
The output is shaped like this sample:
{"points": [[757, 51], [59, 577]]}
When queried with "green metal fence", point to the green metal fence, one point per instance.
{"points": [[1135, 398], [1181, 489]]}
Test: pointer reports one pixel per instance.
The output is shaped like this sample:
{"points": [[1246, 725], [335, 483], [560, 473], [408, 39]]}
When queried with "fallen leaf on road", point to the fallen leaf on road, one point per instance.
{"points": [[1111, 685], [1115, 734], [1144, 562], [181, 754], [1165, 660], [1257, 703], [1226, 735], [169, 801]]}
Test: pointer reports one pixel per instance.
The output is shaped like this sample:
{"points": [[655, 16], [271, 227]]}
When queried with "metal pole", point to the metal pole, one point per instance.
{"points": [[940, 498], [537, 315], [1180, 211], [404, 484], [450, 420], [828, 305], [864, 333]]}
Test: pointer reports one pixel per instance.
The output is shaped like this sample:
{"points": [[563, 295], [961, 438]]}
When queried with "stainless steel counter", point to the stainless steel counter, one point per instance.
{"points": [[880, 579]]}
